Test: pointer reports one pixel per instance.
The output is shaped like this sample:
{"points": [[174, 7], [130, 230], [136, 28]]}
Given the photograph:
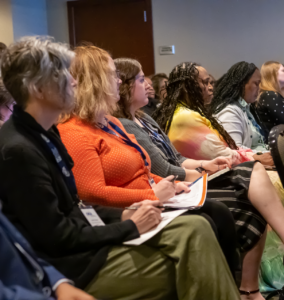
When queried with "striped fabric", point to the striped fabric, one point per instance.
{"points": [[231, 188]]}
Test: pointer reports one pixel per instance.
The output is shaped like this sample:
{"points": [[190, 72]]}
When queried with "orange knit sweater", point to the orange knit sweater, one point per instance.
{"points": [[107, 171]]}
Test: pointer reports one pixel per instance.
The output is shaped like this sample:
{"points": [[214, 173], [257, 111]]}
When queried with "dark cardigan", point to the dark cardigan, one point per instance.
{"points": [[38, 202], [159, 160]]}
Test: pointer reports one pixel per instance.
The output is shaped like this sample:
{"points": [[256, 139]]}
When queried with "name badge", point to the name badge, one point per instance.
{"points": [[91, 215], [151, 181]]}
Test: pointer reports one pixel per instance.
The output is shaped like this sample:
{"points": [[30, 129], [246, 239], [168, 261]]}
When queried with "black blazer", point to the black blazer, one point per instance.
{"points": [[38, 202]]}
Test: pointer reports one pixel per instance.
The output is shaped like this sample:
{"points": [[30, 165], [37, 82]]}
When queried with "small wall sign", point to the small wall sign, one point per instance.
{"points": [[167, 50]]}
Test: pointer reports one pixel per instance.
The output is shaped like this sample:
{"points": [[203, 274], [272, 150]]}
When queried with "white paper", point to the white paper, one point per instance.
{"points": [[188, 200], [167, 217], [92, 217], [219, 173]]}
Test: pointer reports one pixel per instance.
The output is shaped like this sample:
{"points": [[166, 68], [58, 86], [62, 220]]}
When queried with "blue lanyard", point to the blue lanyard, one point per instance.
{"points": [[67, 174], [158, 137], [125, 138]]}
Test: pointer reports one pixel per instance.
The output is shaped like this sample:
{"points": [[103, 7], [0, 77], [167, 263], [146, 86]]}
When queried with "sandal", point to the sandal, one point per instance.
{"points": [[247, 292]]}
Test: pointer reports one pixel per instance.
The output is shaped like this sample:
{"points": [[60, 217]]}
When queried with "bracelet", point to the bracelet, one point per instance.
{"points": [[200, 170]]}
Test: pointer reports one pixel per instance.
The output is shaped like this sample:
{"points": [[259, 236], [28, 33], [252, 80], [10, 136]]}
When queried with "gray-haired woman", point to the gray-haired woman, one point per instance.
{"points": [[39, 194]]}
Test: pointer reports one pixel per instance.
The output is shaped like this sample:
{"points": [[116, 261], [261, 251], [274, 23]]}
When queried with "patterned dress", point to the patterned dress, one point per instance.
{"points": [[194, 137]]}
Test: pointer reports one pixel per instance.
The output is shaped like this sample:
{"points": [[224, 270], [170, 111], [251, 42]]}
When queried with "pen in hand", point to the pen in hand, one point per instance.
{"points": [[174, 179], [137, 207]]}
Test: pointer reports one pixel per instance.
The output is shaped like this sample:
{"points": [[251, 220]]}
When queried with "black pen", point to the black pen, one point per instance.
{"points": [[173, 180], [189, 185], [136, 207]]}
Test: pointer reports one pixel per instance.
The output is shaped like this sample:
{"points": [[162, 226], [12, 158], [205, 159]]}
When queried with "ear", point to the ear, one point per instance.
{"points": [[38, 93]]}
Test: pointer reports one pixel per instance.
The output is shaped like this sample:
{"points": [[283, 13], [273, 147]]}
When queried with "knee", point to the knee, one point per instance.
{"points": [[196, 224], [258, 167]]}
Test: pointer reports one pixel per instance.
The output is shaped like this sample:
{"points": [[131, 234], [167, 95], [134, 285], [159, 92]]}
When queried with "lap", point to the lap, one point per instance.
{"points": [[139, 272]]}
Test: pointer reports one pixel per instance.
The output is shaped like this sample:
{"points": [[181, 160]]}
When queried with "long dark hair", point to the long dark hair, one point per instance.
{"points": [[230, 87], [128, 68], [183, 88]]}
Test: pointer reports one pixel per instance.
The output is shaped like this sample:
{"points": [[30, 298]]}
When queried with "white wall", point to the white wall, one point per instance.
{"points": [[29, 17], [57, 20], [218, 33], [215, 33], [6, 23]]}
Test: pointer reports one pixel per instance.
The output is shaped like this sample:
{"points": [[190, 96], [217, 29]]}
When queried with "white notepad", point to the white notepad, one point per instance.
{"points": [[195, 198], [217, 174], [167, 217]]}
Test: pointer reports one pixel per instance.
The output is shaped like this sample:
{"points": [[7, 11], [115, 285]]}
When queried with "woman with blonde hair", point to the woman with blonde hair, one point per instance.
{"points": [[110, 167], [270, 107]]}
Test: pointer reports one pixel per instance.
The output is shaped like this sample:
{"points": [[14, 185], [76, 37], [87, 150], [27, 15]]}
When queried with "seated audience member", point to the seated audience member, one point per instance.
{"points": [[270, 105], [152, 100], [164, 161], [6, 104], [24, 276], [233, 95], [194, 132], [160, 81], [110, 167], [45, 207], [187, 92]]}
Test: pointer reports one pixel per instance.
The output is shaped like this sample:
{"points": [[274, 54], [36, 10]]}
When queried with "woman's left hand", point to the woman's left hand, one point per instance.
{"points": [[217, 164]]}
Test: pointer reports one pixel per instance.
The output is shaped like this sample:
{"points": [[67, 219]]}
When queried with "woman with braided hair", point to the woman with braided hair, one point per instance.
{"points": [[197, 134], [184, 116], [234, 93]]}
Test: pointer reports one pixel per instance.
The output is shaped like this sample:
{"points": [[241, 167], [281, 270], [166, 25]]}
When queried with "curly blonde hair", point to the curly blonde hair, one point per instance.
{"points": [[94, 92]]}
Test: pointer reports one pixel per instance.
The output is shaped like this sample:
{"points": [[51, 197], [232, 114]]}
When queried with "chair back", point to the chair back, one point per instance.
{"points": [[276, 144]]}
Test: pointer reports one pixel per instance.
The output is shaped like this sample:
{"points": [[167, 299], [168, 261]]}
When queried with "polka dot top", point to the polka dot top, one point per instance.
{"points": [[107, 171], [270, 110]]}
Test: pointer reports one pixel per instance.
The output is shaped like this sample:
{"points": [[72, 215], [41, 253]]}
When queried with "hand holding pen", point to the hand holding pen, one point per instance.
{"points": [[145, 214]]}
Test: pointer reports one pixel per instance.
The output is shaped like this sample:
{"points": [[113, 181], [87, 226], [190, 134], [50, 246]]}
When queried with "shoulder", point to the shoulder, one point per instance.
{"points": [[127, 122], [231, 110], [75, 132], [186, 114], [270, 95]]}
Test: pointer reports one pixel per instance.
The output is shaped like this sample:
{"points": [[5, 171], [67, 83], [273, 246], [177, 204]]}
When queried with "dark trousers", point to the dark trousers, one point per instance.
{"points": [[223, 224]]}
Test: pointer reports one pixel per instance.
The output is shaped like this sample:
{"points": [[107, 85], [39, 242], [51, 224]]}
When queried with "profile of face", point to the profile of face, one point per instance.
{"points": [[114, 80], [151, 91], [140, 92], [251, 88], [280, 76], [205, 85], [163, 89]]}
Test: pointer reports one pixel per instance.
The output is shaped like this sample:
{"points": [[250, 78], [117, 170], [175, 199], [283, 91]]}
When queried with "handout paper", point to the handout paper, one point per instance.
{"points": [[195, 198], [167, 217]]}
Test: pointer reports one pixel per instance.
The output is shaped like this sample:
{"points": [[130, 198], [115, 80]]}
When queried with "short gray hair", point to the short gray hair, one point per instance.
{"points": [[32, 62]]}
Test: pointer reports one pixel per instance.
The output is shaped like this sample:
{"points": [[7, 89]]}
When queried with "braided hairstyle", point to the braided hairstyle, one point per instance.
{"points": [[231, 86], [183, 89]]}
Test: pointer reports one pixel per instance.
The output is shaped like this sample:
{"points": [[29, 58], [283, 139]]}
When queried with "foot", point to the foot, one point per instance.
{"points": [[256, 296]]}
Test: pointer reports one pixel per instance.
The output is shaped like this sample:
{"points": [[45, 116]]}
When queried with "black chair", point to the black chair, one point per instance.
{"points": [[276, 144]]}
